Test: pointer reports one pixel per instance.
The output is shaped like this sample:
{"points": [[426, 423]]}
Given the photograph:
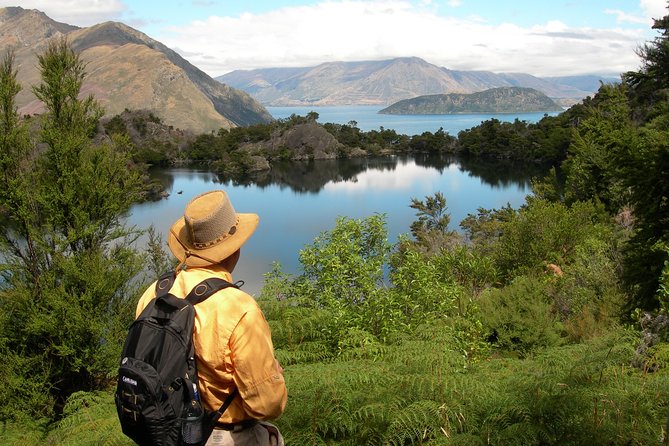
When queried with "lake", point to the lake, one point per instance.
{"points": [[296, 201], [368, 118]]}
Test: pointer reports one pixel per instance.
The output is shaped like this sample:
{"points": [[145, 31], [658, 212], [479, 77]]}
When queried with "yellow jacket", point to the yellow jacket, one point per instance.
{"points": [[233, 346]]}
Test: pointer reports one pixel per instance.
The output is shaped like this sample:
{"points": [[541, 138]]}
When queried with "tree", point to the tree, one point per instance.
{"points": [[597, 151], [16, 175], [650, 84], [68, 259], [645, 169]]}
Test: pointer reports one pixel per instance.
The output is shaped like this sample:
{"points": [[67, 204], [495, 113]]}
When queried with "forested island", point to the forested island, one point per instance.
{"points": [[543, 325], [494, 100]]}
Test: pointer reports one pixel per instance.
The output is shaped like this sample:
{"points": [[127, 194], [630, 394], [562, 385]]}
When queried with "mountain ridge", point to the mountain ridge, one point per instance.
{"points": [[126, 69], [388, 81]]}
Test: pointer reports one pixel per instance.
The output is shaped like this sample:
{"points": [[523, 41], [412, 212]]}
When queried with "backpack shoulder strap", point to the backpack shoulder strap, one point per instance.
{"points": [[164, 283], [206, 288], [200, 293]]}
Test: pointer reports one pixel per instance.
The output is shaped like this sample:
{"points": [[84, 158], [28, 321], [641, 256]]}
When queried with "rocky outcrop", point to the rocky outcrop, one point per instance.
{"points": [[300, 142]]}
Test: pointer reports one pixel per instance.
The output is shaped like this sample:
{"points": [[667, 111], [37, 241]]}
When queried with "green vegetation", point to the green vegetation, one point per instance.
{"points": [[542, 325], [67, 260], [494, 100]]}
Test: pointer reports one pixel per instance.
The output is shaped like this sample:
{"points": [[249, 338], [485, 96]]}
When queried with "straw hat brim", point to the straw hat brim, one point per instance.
{"points": [[246, 225]]}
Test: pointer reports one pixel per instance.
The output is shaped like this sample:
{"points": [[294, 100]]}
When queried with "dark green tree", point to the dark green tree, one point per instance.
{"points": [[68, 260], [597, 151], [645, 169], [649, 86]]}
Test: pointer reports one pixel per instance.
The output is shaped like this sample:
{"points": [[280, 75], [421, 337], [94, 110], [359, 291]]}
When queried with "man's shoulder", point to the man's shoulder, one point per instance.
{"points": [[230, 299]]}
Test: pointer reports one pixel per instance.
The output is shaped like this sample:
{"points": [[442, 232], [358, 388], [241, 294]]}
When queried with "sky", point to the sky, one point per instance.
{"points": [[538, 37]]}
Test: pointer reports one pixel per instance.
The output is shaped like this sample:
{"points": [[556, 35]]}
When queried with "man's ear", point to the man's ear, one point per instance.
{"points": [[230, 262]]}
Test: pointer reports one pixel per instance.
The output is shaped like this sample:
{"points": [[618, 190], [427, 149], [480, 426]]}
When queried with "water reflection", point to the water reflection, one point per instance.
{"points": [[297, 201], [503, 173], [312, 176]]}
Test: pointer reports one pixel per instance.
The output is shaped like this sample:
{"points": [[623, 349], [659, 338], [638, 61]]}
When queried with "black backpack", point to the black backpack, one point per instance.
{"points": [[157, 390]]}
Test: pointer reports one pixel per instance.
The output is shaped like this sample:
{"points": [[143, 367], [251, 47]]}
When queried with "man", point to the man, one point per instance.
{"points": [[232, 339]]}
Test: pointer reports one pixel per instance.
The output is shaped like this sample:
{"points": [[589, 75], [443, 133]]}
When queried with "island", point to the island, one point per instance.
{"points": [[494, 100]]}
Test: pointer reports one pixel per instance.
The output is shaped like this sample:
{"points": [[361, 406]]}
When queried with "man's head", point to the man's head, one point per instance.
{"points": [[210, 230]]}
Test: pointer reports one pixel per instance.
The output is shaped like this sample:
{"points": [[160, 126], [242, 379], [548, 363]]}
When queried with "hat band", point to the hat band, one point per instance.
{"points": [[189, 253], [208, 244]]}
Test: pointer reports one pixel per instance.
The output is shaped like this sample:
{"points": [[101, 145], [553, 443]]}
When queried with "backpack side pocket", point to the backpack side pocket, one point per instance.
{"points": [[145, 405]]}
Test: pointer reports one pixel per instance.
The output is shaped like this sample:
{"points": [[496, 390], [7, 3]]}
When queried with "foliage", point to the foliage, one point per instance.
{"points": [[442, 286], [545, 233], [484, 229], [67, 257], [648, 167], [438, 141], [619, 156], [593, 166], [343, 267], [432, 216], [417, 393], [89, 418], [544, 141], [648, 85], [158, 260], [663, 289], [519, 317], [116, 126], [342, 272]]}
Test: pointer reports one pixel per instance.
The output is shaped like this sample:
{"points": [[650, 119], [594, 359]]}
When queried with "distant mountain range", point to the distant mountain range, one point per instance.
{"points": [[388, 81], [128, 70], [494, 100]]}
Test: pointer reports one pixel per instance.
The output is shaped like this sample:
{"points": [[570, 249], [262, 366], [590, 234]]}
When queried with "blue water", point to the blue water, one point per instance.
{"points": [[289, 220], [368, 118]]}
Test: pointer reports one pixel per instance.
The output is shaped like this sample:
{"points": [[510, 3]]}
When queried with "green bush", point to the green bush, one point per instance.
{"points": [[543, 232], [519, 317]]}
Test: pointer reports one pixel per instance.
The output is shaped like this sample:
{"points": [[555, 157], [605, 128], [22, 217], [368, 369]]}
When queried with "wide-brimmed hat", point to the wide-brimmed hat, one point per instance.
{"points": [[210, 230]]}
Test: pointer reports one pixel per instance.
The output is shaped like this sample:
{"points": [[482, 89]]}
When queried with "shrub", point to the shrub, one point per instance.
{"points": [[519, 317], [544, 232]]}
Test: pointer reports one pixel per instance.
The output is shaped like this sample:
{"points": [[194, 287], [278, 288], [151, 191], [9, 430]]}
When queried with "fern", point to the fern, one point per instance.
{"points": [[89, 419], [418, 393], [415, 423], [23, 433], [306, 352]]}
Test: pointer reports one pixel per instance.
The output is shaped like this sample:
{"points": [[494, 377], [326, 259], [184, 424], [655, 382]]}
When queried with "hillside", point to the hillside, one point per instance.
{"points": [[494, 100], [128, 70], [388, 81]]}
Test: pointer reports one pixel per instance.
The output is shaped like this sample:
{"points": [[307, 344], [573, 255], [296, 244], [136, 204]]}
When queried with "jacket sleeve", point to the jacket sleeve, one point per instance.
{"points": [[256, 372]]}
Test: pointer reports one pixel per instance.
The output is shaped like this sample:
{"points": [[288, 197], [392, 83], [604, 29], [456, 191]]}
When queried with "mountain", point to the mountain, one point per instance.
{"points": [[388, 81], [126, 69], [494, 100]]}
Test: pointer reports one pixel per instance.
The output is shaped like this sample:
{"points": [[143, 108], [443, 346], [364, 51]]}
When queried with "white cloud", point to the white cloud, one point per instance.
{"points": [[654, 9], [622, 16], [649, 10], [405, 176], [374, 30], [353, 30], [74, 12]]}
